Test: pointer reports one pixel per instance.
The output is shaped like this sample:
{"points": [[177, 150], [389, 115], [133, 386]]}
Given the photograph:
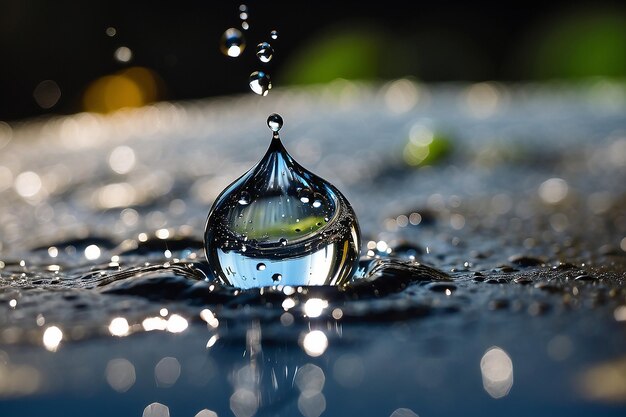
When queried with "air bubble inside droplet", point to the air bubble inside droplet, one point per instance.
{"points": [[305, 243], [232, 42], [264, 52], [260, 83]]}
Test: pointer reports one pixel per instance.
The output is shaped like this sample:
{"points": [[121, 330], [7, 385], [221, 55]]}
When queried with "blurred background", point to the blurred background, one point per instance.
{"points": [[68, 56]]}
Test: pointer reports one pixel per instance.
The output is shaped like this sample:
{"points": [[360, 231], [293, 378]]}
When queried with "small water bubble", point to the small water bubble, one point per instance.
{"points": [[232, 43], [260, 83], [264, 52], [243, 8], [277, 277], [275, 122], [274, 34], [111, 31], [317, 204], [283, 241], [245, 25], [244, 198], [260, 266]]}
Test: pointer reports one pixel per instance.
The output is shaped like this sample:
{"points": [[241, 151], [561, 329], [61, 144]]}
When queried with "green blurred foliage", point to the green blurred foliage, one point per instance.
{"points": [[582, 44], [431, 152], [353, 54]]}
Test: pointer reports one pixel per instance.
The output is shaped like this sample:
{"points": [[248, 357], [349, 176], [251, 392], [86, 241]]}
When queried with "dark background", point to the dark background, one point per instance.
{"points": [[65, 41]]}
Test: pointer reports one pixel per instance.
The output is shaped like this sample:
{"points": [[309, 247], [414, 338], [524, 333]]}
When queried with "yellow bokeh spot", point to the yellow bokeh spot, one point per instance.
{"points": [[133, 87]]}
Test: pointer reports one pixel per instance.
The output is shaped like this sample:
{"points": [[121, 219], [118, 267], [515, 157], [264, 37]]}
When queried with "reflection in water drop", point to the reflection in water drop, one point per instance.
{"points": [[232, 42], [403, 412], [497, 371], [315, 343], [206, 413], [119, 326], [244, 403], [120, 374], [284, 233], [310, 379], [264, 52], [52, 338], [314, 307], [274, 34], [260, 83], [166, 372], [156, 410]]}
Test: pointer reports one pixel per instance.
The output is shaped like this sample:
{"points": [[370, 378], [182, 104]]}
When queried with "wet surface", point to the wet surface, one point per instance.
{"points": [[492, 280]]}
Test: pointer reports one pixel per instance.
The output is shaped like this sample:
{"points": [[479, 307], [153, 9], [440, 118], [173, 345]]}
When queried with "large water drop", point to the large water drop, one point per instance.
{"points": [[260, 83], [288, 239], [232, 43]]}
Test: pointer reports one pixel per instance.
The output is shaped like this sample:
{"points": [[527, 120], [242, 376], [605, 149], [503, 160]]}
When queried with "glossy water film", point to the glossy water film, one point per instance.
{"points": [[281, 224]]}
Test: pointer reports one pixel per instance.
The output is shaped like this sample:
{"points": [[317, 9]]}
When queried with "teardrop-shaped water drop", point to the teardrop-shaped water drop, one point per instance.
{"points": [[260, 83], [288, 240], [264, 52], [232, 43]]}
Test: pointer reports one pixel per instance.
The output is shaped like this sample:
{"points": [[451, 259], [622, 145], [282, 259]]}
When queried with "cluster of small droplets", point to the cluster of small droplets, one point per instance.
{"points": [[233, 43], [243, 15]]}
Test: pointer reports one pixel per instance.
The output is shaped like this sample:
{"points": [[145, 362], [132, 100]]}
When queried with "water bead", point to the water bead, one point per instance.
{"points": [[260, 83], [275, 122], [287, 240], [232, 42], [274, 34], [264, 52]]}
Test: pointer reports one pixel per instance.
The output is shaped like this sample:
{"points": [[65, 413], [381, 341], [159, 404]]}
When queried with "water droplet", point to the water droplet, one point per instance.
{"points": [[260, 83], [275, 122], [264, 52], [277, 277], [274, 34], [244, 199], [317, 204], [318, 253], [232, 43]]}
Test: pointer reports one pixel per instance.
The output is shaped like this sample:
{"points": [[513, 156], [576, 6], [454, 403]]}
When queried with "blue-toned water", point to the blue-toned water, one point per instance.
{"points": [[491, 282]]}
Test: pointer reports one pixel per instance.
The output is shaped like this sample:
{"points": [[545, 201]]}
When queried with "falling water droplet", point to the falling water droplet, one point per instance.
{"points": [[260, 83], [274, 34], [286, 238], [232, 43], [275, 122], [264, 52]]}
